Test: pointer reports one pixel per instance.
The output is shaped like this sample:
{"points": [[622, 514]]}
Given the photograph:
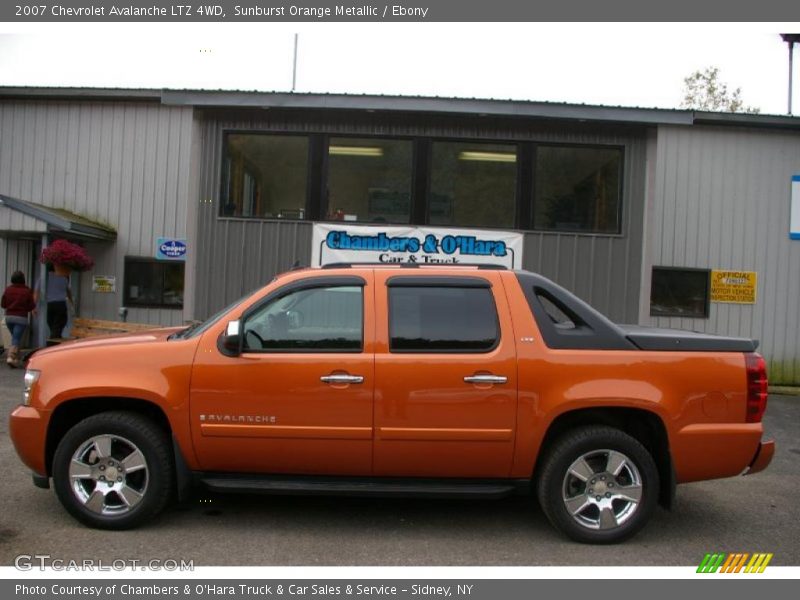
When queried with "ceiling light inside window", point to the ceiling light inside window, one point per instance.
{"points": [[355, 151], [509, 157]]}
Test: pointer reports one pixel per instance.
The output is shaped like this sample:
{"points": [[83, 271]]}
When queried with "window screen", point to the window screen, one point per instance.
{"points": [[442, 319]]}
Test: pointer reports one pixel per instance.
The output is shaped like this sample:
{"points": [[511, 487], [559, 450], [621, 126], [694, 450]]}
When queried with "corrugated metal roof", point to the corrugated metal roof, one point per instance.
{"points": [[59, 219], [408, 104]]}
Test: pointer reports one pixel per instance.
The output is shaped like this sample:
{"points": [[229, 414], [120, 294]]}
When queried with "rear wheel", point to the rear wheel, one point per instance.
{"points": [[113, 470], [598, 485]]}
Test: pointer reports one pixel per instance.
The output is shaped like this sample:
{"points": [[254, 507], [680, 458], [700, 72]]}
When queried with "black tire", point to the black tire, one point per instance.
{"points": [[621, 517], [152, 485]]}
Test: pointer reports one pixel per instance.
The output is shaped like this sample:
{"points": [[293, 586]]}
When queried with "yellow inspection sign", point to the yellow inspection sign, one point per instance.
{"points": [[737, 287]]}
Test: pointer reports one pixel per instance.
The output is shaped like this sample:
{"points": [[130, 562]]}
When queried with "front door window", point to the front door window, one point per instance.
{"points": [[324, 319]]}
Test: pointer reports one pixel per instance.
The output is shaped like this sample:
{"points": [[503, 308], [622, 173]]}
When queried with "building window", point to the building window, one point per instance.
{"points": [[423, 181], [325, 319], [677, 292], [264, 176], [577, 189], [152, 283], [473, 184], [369, 180], [442, 319]]}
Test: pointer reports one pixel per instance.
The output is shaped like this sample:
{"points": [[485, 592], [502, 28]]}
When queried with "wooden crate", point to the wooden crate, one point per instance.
{"points": [[83, 328]]}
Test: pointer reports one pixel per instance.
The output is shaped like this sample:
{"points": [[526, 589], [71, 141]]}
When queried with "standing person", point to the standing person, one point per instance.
{"points": [[57, 296], [18, 302]]}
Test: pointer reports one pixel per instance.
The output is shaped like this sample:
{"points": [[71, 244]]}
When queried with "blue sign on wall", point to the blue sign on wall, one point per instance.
{"points": [[170, 249]]}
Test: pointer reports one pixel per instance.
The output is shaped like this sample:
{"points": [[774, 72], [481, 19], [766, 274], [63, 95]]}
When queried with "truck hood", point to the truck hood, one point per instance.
{"points": [[138, 337]]}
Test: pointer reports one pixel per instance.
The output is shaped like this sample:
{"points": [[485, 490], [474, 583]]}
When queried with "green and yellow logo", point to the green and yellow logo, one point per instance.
{"points": [[720, 562]]}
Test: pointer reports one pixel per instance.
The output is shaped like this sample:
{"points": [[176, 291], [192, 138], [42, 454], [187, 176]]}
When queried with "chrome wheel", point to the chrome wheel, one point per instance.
{"points": [[108, 475], [602, 489]]}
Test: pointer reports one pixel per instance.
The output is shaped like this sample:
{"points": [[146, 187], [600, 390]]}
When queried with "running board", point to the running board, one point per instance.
{"points": [[375, 487]]}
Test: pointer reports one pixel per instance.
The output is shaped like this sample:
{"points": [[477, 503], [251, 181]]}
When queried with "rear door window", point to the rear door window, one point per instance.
{"points": [[442, 319]]}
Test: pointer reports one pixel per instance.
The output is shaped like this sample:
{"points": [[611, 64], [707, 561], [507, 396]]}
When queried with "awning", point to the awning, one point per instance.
{"points": [[23, 219]]}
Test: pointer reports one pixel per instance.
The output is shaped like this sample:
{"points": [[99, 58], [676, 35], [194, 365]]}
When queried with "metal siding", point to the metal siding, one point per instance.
{"points": [[238, 255], [722, 202], [15, 221], [17, 256], [121, 163]]}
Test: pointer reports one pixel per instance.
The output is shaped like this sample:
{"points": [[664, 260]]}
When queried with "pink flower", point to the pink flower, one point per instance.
{"points": [[66, 253]]}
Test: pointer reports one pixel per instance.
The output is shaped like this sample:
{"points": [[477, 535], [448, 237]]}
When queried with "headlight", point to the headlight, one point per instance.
{"points": [[31, 377]]}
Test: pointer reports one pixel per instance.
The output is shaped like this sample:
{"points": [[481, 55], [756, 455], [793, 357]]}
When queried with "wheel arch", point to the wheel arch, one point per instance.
{"points": [[68, 414], [645, 426]]}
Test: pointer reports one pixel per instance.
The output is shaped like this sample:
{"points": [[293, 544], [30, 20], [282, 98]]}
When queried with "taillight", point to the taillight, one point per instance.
{"points": [[756, 386]]}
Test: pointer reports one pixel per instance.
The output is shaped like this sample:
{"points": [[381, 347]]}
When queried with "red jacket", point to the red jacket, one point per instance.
{"points": [[18, 300]]}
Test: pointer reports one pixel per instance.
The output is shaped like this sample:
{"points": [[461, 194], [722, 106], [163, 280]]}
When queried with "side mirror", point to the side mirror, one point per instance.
{"points": [[230, 342]]}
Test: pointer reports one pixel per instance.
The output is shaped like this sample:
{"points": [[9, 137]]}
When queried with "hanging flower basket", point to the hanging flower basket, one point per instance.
{"points": [[65, 257]]}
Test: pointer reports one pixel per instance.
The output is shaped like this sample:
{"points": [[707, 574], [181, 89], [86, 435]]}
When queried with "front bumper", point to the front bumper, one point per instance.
{"points": [[27, 427], [762, 458]]}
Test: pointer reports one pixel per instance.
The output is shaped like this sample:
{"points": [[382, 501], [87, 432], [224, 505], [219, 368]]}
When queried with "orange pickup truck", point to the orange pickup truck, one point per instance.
{"points": [[383, 380]]}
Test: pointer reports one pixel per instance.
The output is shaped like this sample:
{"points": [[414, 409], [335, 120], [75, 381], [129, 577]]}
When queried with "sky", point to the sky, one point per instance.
{"points": [[634, 64]]}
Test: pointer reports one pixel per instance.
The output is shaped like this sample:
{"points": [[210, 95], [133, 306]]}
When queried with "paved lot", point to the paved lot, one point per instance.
{"points": [[757, 513]]}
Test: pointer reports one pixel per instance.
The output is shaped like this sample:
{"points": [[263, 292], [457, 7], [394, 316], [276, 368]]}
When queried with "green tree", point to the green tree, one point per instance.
{"points": [[703, 90]]}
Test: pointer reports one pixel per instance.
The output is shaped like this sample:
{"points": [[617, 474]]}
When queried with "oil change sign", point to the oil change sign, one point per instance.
{"points": [[335, 243], [737, 287]]}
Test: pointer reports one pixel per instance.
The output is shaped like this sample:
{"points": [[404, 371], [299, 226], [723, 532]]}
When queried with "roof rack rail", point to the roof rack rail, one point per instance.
{"points": [[348, 265]]}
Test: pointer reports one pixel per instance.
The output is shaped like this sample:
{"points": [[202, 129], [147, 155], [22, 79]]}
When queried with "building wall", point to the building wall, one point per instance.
{"points": [[125, 164], [720, 200], [239, 255], [15, 255]]}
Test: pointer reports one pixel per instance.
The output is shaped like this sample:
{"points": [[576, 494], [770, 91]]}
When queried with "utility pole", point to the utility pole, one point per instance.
{"points": [[791, 39], [294, 65]]}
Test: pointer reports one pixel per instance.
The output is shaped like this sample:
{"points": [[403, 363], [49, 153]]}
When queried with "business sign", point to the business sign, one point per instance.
{"points": [[170, 249], [105, 284], [335, 243], [794, 217], [736, 287]]}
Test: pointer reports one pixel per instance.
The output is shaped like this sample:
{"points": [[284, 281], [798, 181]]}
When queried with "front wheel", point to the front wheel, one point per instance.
{"points": [[598, 485], [113, 470]]}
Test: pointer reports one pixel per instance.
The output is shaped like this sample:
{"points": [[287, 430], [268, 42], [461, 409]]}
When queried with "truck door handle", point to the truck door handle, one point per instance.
{"points": [[485, 379], [341, 378]]}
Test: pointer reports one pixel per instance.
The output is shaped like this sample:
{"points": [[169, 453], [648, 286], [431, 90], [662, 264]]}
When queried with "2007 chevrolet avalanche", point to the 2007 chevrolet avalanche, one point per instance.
{"points": [[441, 381]]}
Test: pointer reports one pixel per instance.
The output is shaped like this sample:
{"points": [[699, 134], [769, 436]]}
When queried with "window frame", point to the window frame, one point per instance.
{"points": [[126, 299], [669, 315], [421, 173], [303, 285], [441, 283], [534, 184]]}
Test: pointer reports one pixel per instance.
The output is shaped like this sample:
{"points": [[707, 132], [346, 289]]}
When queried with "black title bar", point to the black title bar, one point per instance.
{"points": [[399, 11]]}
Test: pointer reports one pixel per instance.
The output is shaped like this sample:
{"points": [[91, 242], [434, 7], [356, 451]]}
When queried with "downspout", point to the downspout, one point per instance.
{"points": [[791, 72]]}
